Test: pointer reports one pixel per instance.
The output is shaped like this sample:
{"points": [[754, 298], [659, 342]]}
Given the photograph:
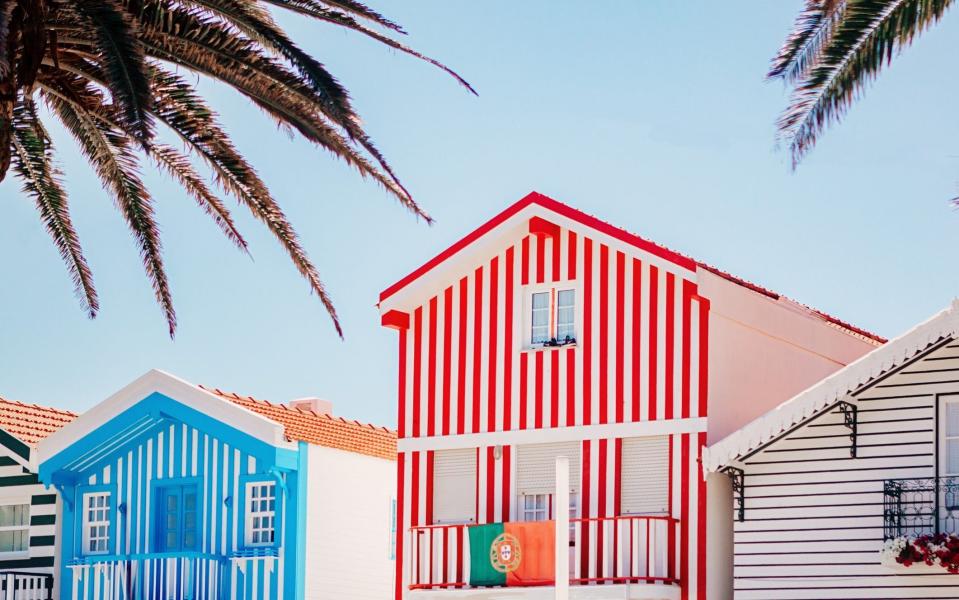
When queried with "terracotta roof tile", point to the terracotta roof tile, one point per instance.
{"points": [[31, 423], [324, 430]]}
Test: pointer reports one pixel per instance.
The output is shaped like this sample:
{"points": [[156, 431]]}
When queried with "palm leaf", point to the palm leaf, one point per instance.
{"points": [[33, 164], [862, 42]]}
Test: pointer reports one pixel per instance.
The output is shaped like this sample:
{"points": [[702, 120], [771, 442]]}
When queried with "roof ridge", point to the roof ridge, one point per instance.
{"points": [[60, 411]]}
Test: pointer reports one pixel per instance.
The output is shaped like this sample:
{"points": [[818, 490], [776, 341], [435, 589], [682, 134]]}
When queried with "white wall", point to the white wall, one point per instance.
{"points": [[349, 499], [719, 538], [763, 351]]}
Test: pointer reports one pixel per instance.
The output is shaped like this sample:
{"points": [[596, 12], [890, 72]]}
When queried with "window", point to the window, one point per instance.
{"points": [[96, 523], [177, 514], [535, 507], [14, 528], [393, 529], [261, 513], [644, 479], [552, 317], [454, 486]]}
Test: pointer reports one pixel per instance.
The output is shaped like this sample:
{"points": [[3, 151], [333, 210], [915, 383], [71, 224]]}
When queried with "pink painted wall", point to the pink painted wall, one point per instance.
{"points": [[763, 351]]}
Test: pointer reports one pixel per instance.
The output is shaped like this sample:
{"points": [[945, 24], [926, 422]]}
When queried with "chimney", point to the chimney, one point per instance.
{"points": [[317, 405]]}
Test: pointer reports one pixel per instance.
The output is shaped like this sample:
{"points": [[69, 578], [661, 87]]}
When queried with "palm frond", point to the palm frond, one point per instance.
{"points": [[811, 31], [33, 164], [117, 167], [863, 41]]}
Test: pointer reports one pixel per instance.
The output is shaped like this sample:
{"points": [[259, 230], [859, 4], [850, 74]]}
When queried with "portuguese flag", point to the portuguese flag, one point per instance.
{"points": [[512, 553]]}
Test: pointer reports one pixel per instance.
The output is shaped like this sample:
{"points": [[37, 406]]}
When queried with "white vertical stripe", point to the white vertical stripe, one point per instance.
{"points": [[454, 357], [628, 341], [660, 341], [678, 325], [644, 362], [501, 348], [440, 413], [594, 328], [484, 311], [470, 329], [579, 354], [610, 374]]}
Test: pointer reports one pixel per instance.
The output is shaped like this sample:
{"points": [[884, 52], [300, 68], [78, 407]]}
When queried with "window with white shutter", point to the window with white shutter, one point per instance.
{"points": [[454, 486], [645, 476], [536, 467]]}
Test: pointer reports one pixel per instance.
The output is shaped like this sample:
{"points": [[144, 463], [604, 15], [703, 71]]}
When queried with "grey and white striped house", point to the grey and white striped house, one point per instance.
{"points": [[869, 454], [28, 510]]}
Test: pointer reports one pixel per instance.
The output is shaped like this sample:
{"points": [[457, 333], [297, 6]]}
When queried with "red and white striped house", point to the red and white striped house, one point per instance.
{"points": [[548, 332]]}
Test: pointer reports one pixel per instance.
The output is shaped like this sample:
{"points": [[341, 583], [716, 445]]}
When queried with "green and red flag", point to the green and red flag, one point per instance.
{"points": [[512, 554]]}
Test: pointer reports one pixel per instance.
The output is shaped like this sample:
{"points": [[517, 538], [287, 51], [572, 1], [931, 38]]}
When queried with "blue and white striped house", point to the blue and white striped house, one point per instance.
{"points": [[173, 491]]}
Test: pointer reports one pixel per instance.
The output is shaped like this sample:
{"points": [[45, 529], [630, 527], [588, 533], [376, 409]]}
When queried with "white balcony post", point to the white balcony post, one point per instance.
{"points": [[562, 528]]}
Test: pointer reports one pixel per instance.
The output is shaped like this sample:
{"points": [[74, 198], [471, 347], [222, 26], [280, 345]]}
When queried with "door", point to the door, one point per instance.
{"points": [[946, 487], [176, 518]]}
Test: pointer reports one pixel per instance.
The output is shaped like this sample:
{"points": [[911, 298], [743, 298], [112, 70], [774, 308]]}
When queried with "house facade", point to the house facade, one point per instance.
{"points": [[28, 510], [170, 490], [834, 486], [547, 332]]}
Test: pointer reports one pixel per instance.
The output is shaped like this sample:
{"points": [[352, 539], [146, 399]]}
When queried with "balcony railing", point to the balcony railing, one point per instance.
{"points": [[159, 576], [632, 549], [913, 507], [25, 586]]}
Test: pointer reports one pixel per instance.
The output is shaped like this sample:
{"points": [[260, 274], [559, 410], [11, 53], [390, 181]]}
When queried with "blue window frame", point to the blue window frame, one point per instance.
{"points": [[177, 514]]}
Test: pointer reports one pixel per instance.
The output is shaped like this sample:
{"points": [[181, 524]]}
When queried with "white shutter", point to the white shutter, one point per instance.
{"points": [[536, 467], [645, 484], [454, 486]]}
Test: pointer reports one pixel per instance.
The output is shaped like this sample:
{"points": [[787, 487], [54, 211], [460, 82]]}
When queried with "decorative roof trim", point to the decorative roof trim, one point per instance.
{"points": [[805, 405]]}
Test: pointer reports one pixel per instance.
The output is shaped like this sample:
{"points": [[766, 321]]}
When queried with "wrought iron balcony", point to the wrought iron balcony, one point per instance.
{"points": [[913, 507]]}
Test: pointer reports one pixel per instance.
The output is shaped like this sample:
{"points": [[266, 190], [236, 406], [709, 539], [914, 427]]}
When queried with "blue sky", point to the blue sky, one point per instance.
{"points": [[653, 116]]}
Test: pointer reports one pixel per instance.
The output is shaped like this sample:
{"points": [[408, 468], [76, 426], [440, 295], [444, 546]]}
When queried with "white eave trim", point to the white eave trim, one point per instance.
{"points": [[831, 390], [173, 387]]}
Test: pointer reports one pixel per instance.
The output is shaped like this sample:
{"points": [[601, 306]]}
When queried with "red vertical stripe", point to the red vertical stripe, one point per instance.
{"points": [[570, 387], [554, 244], [461, 363], [653, 337], [505, 501], [493, 341], [417, 366], [584, 509], [603, 333], [670, 334], [415, 490], [540, 259], [508, 341], [703, 356], [447, 343], [538, 390], [701, 524], [587, 329], [637, 357], [477, 344], [490, 484], [431, 371], [524, 261], [523, 386], [398, 579], [554, 388], [689, 288], [620, 335], [401, 383], [684, 518], [429, 488], [572, 255]]}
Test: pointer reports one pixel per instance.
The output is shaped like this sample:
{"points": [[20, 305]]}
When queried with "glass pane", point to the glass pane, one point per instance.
{"points": [[541, 300], [171, 540], [189, 500], [952, 418], [540, 318], [952, 457], [565, 298], [189, 540]]}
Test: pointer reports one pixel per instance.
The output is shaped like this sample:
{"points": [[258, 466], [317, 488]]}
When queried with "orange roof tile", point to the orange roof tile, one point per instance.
{"points": [[31, 423], [305, 425]]}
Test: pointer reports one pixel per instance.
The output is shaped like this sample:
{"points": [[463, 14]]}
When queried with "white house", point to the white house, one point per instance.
{"points": [[834, 484]]}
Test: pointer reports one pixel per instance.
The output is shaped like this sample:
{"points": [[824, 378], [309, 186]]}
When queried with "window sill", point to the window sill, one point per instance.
{"points": [[533, 349]]}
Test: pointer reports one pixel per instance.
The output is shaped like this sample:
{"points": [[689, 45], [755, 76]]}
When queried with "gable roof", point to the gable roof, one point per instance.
{"points": [[535, 201], [825, 394], [305, 425], [31, 423]]}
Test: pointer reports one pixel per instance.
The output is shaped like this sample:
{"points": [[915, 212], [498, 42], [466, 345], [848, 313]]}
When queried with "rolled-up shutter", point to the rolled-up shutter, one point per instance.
{"points": [[536, 467], [645, 476], [454, 486]]}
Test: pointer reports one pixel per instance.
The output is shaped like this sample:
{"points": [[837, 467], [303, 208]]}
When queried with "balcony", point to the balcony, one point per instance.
{"points": [[25, 586], [159, 576], [613, 551], [914, 507]]}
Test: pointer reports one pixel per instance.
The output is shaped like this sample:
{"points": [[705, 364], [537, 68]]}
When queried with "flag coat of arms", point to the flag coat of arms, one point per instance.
{"points": [[512, 554]]}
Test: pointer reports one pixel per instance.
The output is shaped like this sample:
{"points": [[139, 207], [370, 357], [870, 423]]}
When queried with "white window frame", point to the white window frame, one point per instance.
{"points": [[553, 289], [547, 510], [17, 501], [250, 515], [104, 521]]}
